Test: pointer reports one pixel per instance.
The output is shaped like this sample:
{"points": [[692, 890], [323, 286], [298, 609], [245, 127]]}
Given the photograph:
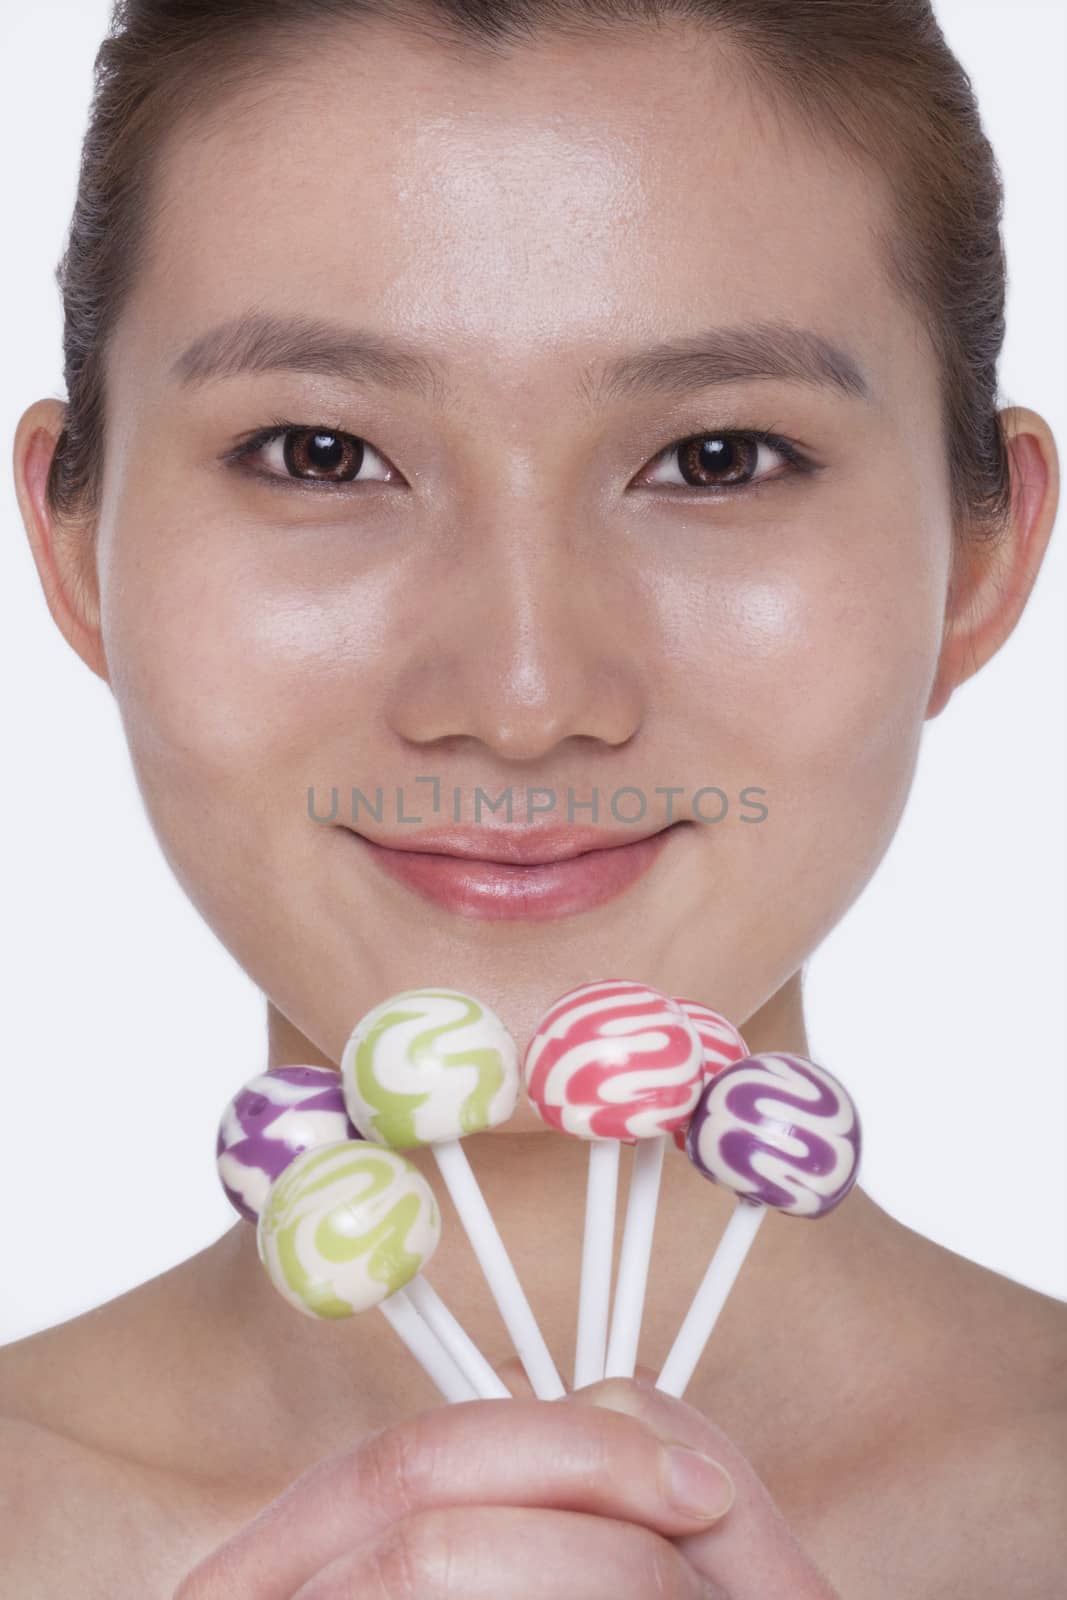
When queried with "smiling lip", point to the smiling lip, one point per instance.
{"points": [[568, 875]]}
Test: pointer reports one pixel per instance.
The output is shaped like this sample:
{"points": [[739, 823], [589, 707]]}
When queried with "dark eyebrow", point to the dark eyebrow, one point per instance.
{"points": [[261, 342], [725, 355]]}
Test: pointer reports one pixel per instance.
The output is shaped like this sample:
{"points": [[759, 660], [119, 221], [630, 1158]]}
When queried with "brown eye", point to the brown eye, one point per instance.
{"points": [[717, 458], [291, 453], [313, 453], [726, 460]]}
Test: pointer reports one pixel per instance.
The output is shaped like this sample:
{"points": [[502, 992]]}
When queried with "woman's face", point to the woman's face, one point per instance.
{"points": [[525, 585]]}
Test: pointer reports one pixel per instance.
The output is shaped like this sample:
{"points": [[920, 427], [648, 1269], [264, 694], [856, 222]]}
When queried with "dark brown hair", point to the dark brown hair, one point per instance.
{"points": [[876, 76]]}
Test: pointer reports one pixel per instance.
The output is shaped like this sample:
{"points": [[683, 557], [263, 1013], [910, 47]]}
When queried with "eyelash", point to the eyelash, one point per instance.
{"points": [[241, 456]]}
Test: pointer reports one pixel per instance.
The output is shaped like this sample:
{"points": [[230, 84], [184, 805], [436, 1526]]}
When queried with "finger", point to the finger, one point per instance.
{"points": [[479, 1452], [484, 1552], [513, 1374], [751, 1553]]}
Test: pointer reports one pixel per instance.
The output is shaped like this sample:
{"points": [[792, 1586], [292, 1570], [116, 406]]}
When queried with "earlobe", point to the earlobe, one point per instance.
{"points": [[992, 578], [63, 553]]}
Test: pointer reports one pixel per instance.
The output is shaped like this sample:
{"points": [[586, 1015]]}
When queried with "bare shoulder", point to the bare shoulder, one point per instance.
{"points": [[968, 1502], [1025, 1467], [100, 1495], [979, 1518], [76, 1521], [65, 1515]]}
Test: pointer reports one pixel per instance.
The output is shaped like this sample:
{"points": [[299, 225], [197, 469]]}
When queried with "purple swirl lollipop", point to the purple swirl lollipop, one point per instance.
{"points": [[778, 1130], [277, 1115], [783, 1135]]}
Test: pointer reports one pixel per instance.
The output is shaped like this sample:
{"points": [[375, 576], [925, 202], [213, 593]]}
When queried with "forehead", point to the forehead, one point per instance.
{"points": [[529, 210]]}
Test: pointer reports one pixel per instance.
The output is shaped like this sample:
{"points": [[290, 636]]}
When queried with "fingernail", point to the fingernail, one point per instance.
{"points": [[619, 1394], [697, 1485]]}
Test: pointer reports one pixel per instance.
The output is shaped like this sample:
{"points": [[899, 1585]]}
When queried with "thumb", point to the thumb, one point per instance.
{"points": [[751, 1551]]}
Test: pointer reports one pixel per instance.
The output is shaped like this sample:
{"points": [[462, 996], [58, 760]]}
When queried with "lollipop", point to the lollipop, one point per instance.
{"points": [[428, 1066], [722, 1045], [269, 1122], [782, 1133], [344, 1228], [273, 1119], [609, 1062]]}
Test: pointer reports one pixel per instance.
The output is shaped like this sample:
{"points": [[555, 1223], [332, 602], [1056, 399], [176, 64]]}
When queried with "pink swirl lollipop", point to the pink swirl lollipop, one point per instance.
{"points": [[613, 1060], [782, 1134], [609, 1062], [722, 1046]]}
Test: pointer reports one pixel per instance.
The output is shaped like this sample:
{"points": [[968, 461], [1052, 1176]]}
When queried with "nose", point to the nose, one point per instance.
{"points": [[527, 637]]}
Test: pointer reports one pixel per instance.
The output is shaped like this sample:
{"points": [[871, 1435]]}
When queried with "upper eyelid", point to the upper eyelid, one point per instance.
{"points": [[796, 457]]}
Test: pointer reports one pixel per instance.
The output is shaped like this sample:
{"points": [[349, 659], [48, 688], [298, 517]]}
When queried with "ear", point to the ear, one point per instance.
{"points": [[992, 578], [64, 552]]}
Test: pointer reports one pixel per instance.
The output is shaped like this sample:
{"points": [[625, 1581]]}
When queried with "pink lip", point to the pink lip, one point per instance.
{"points": [[533, 892]]}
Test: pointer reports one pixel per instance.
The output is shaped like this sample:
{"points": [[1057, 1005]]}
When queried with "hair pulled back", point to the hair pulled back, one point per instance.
{"points": [[875, 76]]}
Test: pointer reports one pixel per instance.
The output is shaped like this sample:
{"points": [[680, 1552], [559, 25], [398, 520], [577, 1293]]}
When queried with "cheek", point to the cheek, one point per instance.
{"points": [[811, 684], [819, 642], [836, 687], [215, 673], [230, 669], [239, 684]]}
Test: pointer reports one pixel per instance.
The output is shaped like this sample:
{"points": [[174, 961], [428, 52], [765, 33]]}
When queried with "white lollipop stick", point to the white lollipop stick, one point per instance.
{"points": [[635, 1257], [594, 1292], [499, 1273], [710, 1298], [484, 1381], [425, 1346]]}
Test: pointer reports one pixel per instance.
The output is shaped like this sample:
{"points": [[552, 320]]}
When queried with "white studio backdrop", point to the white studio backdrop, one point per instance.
{"points": [[939, 998]]}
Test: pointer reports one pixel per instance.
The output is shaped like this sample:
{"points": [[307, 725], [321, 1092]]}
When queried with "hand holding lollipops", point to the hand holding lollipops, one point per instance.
{"points": [[427, 1067], [782, 1133]]}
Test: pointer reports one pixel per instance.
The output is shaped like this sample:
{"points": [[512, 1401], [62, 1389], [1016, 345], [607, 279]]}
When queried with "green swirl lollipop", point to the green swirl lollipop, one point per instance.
{"points": [[428, 1067], [346, 1227]]}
